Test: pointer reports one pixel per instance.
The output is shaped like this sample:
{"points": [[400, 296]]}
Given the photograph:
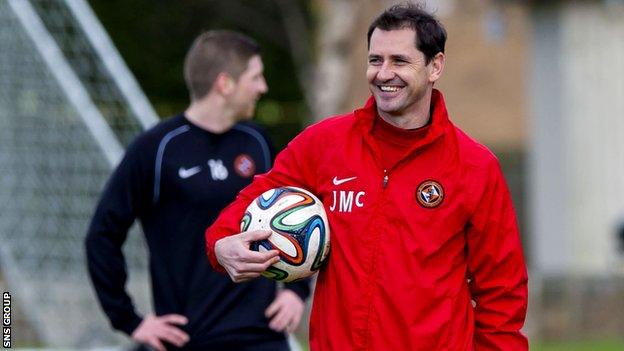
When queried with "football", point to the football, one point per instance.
{"points": [[300, 231]]}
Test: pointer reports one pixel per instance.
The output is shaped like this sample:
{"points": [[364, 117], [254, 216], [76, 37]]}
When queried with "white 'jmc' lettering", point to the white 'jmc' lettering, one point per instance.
{"points": [[344, 200]]}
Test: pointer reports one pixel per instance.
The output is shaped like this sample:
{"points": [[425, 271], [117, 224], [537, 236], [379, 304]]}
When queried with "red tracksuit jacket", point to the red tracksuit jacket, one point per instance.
{"points": [[424, 256]]}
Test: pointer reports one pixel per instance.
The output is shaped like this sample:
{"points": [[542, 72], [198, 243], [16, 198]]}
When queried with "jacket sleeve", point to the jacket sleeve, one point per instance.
{"points": [[121, 200], [497, 271], [291, 168]]}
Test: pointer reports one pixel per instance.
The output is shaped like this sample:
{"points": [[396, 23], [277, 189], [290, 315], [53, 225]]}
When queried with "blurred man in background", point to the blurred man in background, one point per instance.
{"points": [[432, 230], [175, 178]]}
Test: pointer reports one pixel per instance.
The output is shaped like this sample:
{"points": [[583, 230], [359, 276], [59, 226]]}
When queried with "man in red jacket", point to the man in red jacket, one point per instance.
{"points": [[426, 253]]}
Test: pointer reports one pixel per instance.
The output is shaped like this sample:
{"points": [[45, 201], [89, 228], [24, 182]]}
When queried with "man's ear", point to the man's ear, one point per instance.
{"points": [[224, 84], [436, 66]]}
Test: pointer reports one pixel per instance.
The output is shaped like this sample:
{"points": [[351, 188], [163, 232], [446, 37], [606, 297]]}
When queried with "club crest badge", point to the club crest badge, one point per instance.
{"points": [[244, 165], [430, 194]]}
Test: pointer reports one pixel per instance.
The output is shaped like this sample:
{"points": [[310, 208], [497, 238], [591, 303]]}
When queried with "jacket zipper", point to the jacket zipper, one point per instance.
{"points": [[385, 179], [386, 176]]}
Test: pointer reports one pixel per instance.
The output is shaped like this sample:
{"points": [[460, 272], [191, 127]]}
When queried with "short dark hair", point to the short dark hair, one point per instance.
{"points": [[214, 52], [430, 34]]}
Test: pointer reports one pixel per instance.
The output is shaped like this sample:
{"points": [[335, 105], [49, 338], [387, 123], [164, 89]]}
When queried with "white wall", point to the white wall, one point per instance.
{"points": [[577, 131]]}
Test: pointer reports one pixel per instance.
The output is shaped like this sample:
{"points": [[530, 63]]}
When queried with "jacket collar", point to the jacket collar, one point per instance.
{"points": [[366, 115]]}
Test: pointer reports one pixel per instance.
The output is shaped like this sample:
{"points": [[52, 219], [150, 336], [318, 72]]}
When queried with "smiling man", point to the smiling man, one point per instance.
{"points": [[426, 253], [175, 178]]}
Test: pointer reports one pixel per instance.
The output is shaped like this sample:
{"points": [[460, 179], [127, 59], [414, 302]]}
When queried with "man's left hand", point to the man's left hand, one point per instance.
{"points": [[285, 311]]}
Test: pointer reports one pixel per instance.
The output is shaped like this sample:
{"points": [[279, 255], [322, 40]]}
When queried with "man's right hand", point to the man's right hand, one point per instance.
{"points": [[153, 330], [241, 263]]}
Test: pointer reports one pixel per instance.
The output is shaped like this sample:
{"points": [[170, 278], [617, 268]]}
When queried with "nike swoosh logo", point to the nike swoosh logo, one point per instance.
{"points": [[337, 181], [185, 173]]}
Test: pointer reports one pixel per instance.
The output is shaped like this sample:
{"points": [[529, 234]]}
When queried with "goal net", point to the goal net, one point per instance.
{"points": [[68, 107]]}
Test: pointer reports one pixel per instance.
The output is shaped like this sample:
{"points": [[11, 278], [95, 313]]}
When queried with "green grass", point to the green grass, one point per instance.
{"points": [[607, 345]]}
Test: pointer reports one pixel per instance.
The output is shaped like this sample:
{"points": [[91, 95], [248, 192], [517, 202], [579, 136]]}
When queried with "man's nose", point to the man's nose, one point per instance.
{"points": [[263, 87], [385, 73]]}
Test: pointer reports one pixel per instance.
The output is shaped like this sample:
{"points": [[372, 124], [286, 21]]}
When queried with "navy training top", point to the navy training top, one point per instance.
{"points": [[176, 178]]}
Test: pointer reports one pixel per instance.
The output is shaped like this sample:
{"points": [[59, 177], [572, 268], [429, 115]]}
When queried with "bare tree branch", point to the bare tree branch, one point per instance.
{"points": [[300, 46], [338, 21]]}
